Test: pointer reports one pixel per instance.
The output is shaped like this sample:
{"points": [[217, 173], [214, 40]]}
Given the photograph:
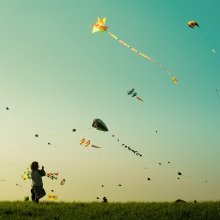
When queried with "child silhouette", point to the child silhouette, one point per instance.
{"points": [[37, 191]]}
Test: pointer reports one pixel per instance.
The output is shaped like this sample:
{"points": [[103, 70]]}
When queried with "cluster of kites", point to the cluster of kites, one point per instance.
{"points": [[98, 124]]}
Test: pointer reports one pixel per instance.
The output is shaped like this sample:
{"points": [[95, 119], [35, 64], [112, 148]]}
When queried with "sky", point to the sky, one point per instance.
{"points": [[55, 76]]}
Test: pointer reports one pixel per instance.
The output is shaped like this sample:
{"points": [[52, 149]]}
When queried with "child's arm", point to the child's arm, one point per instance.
{"points": [[42, 171]]}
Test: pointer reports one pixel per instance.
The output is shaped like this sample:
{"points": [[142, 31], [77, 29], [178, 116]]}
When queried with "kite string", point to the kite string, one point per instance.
{"points": [[138, 52]]}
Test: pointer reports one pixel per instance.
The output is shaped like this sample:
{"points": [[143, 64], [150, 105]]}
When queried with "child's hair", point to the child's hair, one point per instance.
{"points": [[34, 165]]}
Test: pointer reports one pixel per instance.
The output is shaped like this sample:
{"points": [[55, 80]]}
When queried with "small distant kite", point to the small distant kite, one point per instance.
{"points": [[27, 174], [7, 108], [36, 135], [99, 26], [74, 130], [52, 197], [99, 125], [134, 94], [148, 178], [179, 173], [63, 181], [52, 176], [87, 143], [217, 93], [119, 184], [192, 24], [213, 51], [19, 185], [174, 79]]}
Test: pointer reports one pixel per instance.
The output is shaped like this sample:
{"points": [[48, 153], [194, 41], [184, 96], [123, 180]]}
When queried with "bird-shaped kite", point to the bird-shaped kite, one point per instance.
{"points": [[192, 24]]}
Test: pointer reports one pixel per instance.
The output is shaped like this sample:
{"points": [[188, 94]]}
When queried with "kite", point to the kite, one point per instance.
{"points": [[36, 135], [119, 184], [99, 125], [18, 185], [134, 94], [174, 79], [7, 108], [192, 24], [52, 175], [74, 130], [87, 143], [82, 141], [130, 92], [217, 92], [99, 26], [148, 178], [52, 197], [62, 182], [179, 173], [213, 51], [27, 174]]}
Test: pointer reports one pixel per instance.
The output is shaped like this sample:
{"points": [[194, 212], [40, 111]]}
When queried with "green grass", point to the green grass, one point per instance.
{"points": [[95, 210]]}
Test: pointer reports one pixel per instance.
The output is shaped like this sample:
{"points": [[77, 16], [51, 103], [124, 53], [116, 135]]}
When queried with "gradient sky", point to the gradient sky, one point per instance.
{"points": [[56, 75]]}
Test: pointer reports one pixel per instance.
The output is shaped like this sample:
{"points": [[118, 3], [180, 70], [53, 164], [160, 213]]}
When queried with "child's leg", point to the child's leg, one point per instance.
{"points": [[32, 194], [39, 192]]}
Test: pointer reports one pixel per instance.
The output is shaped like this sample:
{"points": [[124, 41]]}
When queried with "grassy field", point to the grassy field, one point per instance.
{"points": [[95, 210]]}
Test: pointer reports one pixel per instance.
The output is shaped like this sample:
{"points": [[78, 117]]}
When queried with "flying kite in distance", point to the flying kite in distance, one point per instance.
{"points": [[52, 197], [27, 174], [99, 26], [7, 108], [53, 176], [130, 92], [192, 24], [63, 181], [213, 51], [134, 94], [217, 92], [87, 143], [99, 125], [174, 79]]}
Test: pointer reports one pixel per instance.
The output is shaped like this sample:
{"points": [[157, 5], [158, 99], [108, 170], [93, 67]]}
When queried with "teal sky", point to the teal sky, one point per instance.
{"points": [[55, 75]]}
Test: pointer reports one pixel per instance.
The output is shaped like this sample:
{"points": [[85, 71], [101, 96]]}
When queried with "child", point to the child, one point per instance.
{"points": [[37, 190]]}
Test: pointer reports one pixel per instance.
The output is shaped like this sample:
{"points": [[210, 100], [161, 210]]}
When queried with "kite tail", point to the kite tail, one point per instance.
{"points": [[138, 52]]}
